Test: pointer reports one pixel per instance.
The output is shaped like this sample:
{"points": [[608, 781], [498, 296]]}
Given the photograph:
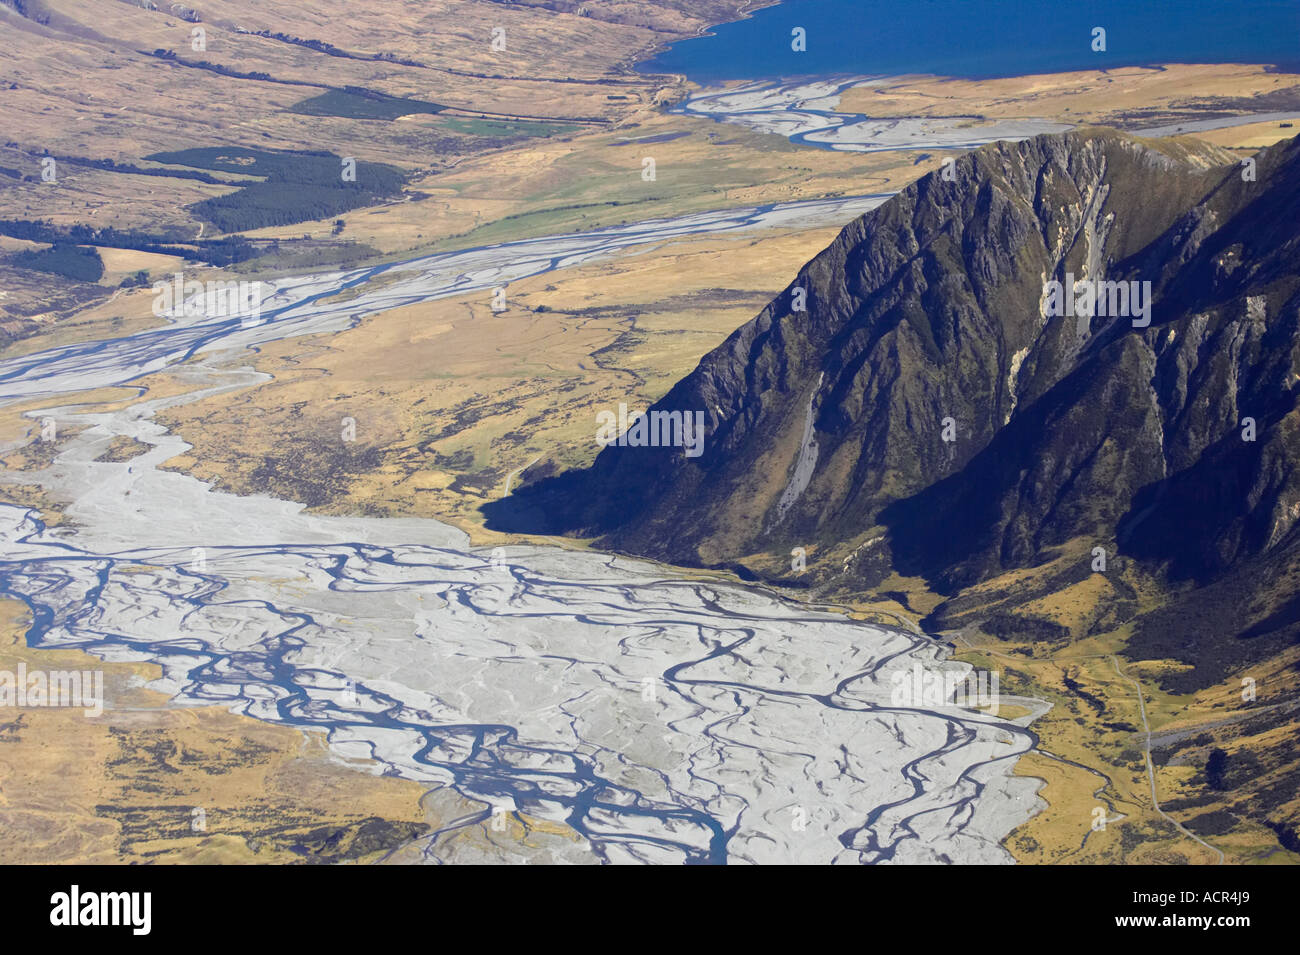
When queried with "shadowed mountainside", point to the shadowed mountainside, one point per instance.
{"points": [[826, 427]]}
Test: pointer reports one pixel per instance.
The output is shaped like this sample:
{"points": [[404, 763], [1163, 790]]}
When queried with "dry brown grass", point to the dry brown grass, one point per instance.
{"points": [[453, 399], [1133, 96], [86, 85]]}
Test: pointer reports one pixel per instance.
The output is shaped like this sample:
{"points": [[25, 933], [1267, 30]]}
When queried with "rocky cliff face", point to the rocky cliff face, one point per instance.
{"points": [[928, 413]]}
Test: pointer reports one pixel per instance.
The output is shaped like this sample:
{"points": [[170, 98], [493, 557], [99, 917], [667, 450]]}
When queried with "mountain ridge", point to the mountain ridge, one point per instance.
{"points": [[925, 319]]}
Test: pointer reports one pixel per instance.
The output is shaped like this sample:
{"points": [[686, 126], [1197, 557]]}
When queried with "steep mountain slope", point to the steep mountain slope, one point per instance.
{"points": [[924, 416]]}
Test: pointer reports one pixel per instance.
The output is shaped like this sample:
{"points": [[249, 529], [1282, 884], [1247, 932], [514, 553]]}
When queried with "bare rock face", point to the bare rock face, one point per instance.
{"points": [[929, 399]]}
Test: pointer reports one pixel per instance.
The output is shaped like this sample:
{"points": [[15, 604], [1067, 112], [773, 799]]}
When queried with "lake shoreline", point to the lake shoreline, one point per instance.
{"points": [[954, 39]]}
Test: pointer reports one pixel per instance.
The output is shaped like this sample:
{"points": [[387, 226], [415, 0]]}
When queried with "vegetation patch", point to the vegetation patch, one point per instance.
{"points": [[314, 472], [1007, 626], [123, 448], [219, 252], [501, 128], [290, 187], [1214, 823], [70, 261], [355, 102]]}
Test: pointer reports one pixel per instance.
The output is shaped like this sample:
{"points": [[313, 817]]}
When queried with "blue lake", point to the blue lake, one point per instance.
{"points": [[982, 38]]}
